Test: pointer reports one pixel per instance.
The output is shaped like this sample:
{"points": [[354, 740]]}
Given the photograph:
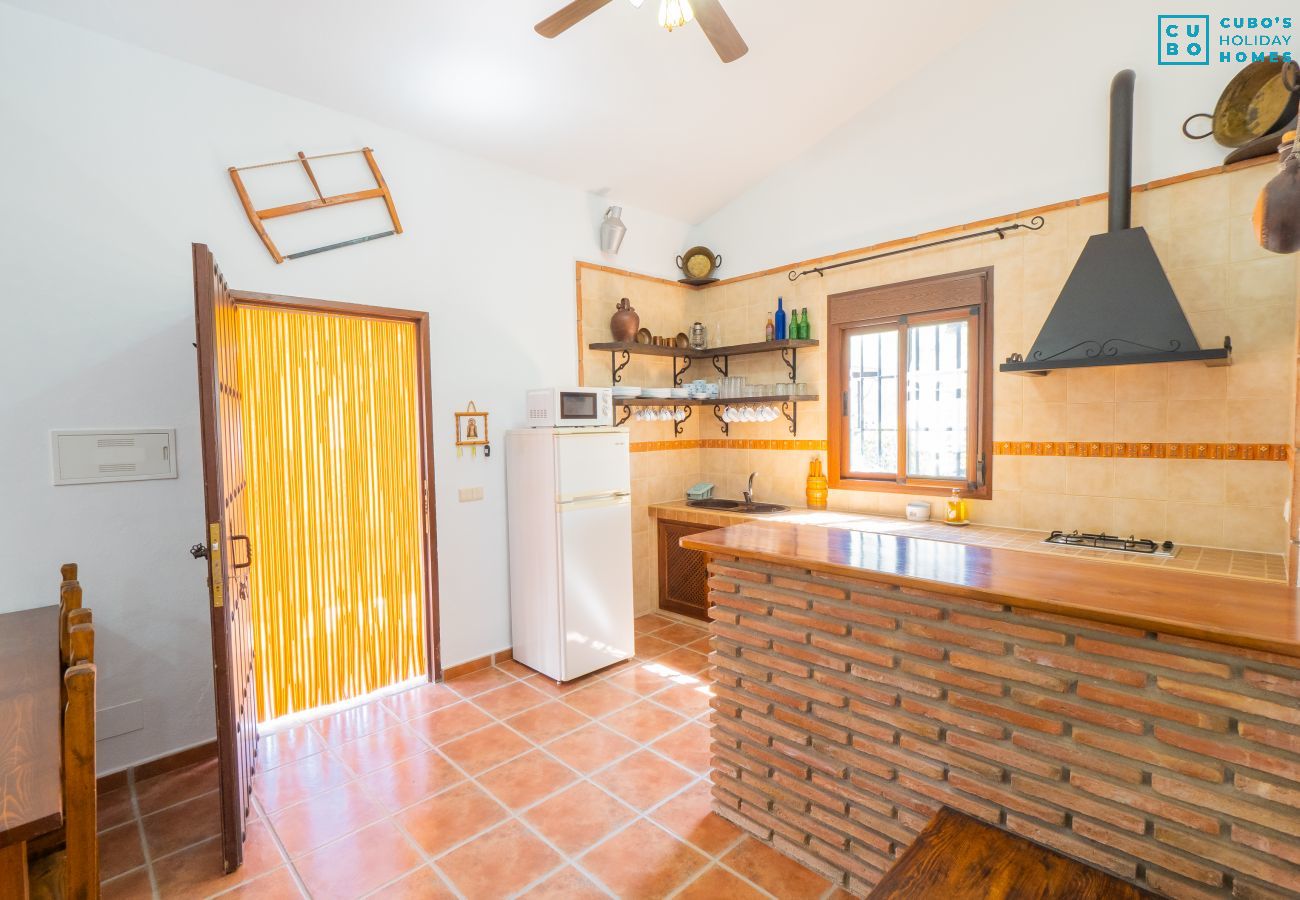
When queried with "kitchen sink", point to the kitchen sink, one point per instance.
{"points": [[738, 506]]}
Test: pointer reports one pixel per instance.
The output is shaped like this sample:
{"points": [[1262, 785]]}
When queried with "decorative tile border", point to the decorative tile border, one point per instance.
{"points": [[1153, 450], [725, 444]]}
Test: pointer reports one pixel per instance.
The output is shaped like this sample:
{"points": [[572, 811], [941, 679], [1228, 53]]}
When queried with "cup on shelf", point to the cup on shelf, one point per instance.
{"points": [[801, 388]]}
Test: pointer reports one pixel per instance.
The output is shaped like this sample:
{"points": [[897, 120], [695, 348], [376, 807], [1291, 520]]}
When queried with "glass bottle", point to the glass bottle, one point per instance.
{"points": [[955, 513], [771, 329], [805, 330], [780, 320]]}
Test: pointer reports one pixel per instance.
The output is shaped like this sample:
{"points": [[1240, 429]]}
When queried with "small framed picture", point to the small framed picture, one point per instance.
{"points": [[472, 430]]}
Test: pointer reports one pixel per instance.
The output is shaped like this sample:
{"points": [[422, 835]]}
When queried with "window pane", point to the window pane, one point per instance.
{"points": [[937, 385], [873, 402]]}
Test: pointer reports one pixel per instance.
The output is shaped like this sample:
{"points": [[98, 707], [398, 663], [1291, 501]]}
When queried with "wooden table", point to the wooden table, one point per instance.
{"points": [[960, 858], [31, 799]]}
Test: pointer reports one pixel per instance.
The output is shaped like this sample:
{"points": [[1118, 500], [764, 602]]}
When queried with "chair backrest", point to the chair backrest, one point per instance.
{"points": [[80, 799], [69, 601]]}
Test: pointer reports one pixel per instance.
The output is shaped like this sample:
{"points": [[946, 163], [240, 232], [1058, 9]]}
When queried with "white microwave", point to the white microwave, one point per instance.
{"points": [[570, 407]]}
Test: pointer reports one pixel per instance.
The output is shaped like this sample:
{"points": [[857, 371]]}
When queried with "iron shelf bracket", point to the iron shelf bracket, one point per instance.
{"points": [[717, 414], [678, 423], [627, 414], [791, 413], [726, 364], [616, 366], [789, 355], [678, 373]]}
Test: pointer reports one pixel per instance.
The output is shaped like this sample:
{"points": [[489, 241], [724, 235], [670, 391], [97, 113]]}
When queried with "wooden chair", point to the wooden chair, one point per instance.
{"points": [[72, 871]]}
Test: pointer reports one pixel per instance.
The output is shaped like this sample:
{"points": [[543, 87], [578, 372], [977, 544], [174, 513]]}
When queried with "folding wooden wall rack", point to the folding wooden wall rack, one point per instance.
{"points": [[258, 216]]}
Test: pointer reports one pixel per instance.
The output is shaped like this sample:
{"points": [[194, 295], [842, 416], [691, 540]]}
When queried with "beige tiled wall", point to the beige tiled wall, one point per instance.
{"points": [[1228, 286]]}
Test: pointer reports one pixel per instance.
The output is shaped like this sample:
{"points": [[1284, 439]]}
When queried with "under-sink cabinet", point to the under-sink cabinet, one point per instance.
{"points": [[683, 574]]}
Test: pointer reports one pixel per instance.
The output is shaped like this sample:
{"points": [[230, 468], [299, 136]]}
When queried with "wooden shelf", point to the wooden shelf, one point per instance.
{"points": [[707, 353], [722, 401]]}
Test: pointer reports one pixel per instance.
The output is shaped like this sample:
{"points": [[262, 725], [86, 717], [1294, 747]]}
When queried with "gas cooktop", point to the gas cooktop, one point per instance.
{"points": [[1105, 541]]}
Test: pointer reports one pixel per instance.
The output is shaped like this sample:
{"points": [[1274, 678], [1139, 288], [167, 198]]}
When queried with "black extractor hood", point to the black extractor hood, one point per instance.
{"points": [[1117, 307]]}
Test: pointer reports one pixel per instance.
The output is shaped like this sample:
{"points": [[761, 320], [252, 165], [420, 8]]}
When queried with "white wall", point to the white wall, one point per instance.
{"points": [[1014, 117], [114, 161]]}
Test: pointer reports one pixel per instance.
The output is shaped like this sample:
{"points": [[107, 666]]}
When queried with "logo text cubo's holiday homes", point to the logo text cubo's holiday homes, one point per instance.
{"points": [[1197, 40]]}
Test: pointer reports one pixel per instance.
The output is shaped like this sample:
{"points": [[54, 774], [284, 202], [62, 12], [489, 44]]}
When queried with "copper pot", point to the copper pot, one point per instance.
{"points": [[1277, 211], [624, 323]]}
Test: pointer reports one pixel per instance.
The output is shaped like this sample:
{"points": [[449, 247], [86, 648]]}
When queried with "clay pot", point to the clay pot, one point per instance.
{"points": [[624, 323]]}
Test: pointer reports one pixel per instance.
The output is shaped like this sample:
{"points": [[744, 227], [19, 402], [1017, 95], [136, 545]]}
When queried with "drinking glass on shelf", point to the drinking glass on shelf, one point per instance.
{"points": [[801, 388]]}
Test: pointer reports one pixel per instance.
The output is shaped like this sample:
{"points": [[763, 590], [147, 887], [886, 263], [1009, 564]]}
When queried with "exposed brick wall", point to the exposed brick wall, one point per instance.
{"points": [[846, 712]]}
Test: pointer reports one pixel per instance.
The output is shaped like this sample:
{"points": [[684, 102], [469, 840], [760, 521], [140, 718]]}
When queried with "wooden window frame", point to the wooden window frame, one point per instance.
{"points": [[924, 300]]}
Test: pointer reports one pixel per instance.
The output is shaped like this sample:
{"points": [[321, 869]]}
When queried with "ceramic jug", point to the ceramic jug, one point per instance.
{"points": [[625, 322]]}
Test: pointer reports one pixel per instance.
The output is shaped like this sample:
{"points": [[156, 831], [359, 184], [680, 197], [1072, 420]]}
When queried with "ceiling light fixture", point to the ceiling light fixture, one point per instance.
{"points": [[675, 13]]}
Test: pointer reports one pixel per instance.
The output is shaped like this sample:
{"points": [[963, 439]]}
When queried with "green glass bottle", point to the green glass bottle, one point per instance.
{"points": [[804, 328]]}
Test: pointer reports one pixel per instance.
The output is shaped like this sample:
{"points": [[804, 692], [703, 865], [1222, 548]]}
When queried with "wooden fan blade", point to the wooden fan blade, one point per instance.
{"points": [[566, 18], [720, 30]]}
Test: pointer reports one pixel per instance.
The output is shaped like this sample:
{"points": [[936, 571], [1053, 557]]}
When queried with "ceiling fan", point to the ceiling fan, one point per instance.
{"points": [[713, 19]]}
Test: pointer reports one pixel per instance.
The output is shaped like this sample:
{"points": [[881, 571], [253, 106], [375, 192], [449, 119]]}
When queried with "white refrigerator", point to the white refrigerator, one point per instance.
{"points": [[569, 505]]}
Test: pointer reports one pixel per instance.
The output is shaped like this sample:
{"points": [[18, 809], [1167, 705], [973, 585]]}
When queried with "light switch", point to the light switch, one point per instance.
{"points": [[470, 494], [113, 454]]}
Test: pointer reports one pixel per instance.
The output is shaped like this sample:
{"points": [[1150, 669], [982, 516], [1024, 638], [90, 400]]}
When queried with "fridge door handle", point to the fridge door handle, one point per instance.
{"points": [[594, 501], [585, 498]]}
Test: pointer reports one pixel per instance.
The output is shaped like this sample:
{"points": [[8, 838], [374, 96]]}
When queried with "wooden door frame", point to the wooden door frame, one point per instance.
{"points": [[420, 319]]}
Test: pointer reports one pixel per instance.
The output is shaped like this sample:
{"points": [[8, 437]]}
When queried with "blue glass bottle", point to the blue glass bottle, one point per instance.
{"points": [[780, 320]]}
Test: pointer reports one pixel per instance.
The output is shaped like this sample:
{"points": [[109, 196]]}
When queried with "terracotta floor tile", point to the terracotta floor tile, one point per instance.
{"points": [[498, 863], [689, 700], [718, 882], [353, 723], [422, 884], [197, 871], [644, 679], [324, 818], [690, 816], [300, 780], [590, 748], [506, 701], [120, 850], [703, 645], [558, 689], [643, 722], [443, 821], [485, 748], [153, 794], [278, 884], [135, 885], [650, 623], [480, 681], [643, 779], [688, 662], [411, 780], [114, 807], [379, 749], [691, 747], [579, 817], [566, 884], [451, 722], [773, 872], [648, 646], [358, 863], [681, 634], [522, 782], [516, 668], [277, 749], [600, 699], [550, 720], [176, 827], [643, 861], [420, 700]]}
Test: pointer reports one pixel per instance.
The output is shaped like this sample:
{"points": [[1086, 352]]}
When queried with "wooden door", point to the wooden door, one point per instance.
{"points": [[229, 549], [683, 574]]}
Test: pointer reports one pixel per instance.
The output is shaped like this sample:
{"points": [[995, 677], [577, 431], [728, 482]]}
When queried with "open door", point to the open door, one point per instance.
{"points": [[227, 548]]}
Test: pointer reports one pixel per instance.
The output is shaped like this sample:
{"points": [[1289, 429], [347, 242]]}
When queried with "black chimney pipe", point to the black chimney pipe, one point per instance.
{"points": [[1120, 198]]}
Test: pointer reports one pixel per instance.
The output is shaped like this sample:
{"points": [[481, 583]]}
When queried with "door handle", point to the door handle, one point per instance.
{"points": [[248, 551]]}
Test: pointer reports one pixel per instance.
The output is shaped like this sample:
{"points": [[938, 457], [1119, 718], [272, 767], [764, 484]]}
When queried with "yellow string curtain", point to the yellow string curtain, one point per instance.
{"points": [[331, 435]]}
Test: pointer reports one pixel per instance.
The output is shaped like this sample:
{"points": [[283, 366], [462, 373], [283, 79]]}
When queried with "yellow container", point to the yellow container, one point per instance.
{"points": [[955, 512], [817, 490]]}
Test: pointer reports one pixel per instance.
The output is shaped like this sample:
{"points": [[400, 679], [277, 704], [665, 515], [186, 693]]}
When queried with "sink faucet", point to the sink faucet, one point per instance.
{"points": [[748, 493]]}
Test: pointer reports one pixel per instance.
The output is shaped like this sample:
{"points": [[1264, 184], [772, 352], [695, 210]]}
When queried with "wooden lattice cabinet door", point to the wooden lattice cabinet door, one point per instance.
{"points": [[683, 574]]}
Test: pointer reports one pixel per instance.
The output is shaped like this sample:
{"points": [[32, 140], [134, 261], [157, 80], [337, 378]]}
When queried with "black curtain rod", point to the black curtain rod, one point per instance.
{"points": [[1034, 224]]}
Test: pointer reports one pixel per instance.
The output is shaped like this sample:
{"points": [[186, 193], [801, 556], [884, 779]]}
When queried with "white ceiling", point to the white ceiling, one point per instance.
{"points": [[615, 104]]}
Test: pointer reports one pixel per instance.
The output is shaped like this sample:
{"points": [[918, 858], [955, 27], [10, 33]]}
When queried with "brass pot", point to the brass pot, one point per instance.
{"points": [[1259, 99]]}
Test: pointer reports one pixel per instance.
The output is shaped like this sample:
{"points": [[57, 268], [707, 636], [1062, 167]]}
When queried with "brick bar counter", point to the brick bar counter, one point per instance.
{"points": [[1142, 720]]}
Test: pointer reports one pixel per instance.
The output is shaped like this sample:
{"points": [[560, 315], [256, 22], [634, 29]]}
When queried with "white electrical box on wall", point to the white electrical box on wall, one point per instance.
{"points": [[113, 454]]}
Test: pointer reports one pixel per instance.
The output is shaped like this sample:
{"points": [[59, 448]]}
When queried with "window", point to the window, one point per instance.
{"points": [[911, 364]]}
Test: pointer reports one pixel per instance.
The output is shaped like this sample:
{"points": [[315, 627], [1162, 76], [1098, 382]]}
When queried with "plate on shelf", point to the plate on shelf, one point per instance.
{"points": [[626, 391], [657, 393], [680, 393], [644, 337]]}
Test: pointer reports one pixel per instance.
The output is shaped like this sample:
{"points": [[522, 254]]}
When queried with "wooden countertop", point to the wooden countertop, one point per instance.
{"points": [[1234, 611], [31, 799]]}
